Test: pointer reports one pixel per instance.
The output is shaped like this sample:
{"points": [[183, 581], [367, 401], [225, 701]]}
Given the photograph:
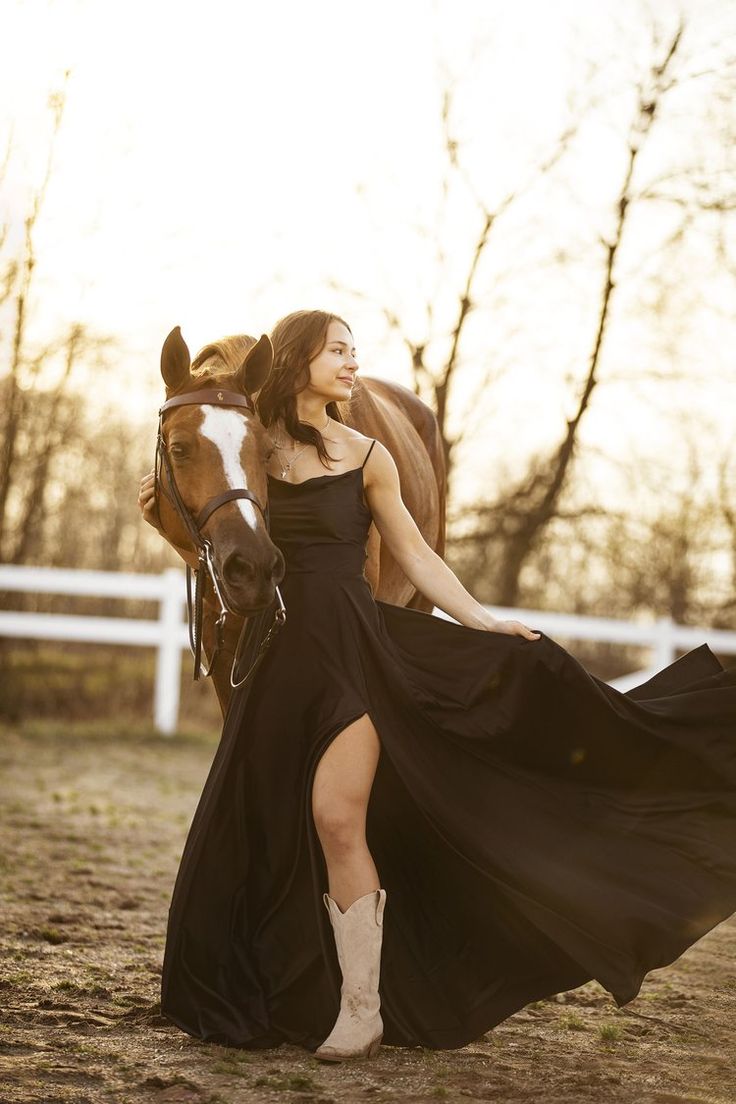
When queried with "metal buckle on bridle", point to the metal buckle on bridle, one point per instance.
{"points": [[206, 565]]}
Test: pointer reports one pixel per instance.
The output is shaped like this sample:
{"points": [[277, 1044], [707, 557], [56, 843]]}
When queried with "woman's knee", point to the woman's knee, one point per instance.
{"points": [[339, 823], [342, 784]]}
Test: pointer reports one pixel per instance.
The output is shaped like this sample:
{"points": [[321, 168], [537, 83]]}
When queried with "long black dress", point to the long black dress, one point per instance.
{"points": [[533, 827]]}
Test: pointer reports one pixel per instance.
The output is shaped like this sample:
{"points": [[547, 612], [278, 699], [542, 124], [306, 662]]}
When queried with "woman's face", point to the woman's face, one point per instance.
{"points": [[332, 371]]}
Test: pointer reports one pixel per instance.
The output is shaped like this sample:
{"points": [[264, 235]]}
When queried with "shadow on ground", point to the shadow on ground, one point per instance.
{"points": [[93, 823]]}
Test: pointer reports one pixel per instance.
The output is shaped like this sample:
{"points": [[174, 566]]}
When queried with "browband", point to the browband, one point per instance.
{"points": [[210, 395]]}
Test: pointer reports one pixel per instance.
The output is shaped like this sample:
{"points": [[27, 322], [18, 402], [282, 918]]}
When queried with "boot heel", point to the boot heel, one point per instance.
{"points": [[375, 1047]]}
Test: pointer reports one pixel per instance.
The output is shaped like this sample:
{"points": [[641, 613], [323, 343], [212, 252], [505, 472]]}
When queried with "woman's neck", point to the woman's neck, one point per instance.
{"points": [[319, 419]]}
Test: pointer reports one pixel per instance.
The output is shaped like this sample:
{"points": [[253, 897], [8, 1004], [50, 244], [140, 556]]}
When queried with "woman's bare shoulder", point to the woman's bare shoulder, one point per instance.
{"points": [[351, 439]]}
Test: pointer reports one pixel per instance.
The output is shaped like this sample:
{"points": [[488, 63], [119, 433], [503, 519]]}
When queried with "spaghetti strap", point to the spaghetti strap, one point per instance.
{"points": [[368, 453]]}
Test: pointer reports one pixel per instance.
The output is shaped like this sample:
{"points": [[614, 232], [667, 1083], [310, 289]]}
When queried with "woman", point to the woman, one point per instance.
{"points": [[526, 826]]}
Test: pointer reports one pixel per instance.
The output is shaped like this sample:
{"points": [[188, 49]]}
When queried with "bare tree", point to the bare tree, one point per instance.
{"points": [[517, 520], [17, 280], [435, 385], [534, 501], [37, 418]]}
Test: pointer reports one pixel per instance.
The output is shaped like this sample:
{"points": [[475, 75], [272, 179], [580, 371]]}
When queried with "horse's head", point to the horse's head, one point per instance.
{"points": [[212, 450]]}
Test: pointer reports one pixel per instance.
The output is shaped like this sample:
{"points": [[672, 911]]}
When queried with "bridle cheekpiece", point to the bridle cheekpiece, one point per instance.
{"points": [[211, 396]]}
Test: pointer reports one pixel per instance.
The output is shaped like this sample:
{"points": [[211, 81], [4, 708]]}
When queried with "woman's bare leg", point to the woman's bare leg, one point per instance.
{"points": [[342, 786]]}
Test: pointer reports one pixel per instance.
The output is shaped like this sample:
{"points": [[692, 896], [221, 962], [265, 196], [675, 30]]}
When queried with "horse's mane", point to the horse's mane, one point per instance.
{"points": [[222, 357]]}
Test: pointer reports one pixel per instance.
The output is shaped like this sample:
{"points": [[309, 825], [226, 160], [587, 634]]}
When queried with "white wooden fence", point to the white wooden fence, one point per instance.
{"points": [[168, 633]]}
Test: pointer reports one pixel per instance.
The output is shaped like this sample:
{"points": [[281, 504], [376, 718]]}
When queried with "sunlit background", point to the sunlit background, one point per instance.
{"points": [[546, 189], [526, 209]]}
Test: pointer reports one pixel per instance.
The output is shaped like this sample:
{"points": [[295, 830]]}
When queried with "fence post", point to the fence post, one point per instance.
{"points": [[664, 646], [168, 656]]}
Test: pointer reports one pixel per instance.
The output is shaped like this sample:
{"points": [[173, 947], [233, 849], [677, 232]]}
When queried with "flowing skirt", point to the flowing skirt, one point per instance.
{"points": [[534, 828]]}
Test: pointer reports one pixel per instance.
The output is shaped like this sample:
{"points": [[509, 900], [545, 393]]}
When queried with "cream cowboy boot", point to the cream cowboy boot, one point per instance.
{"points": [[358, 932]]}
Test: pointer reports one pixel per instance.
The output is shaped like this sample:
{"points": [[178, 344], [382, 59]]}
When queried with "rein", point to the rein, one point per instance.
{"points": [[194, 525]]}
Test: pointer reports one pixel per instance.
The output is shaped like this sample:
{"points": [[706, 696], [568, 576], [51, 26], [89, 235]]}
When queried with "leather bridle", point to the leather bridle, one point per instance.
{"points": [[194, 525]]}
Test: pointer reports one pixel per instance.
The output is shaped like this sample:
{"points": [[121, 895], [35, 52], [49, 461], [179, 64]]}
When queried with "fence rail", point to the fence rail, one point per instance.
{"points": [[168, 633]]}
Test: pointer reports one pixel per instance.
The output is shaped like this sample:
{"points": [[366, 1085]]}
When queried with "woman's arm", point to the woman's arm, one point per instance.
{"points": [[149, 510], [422, 566]]}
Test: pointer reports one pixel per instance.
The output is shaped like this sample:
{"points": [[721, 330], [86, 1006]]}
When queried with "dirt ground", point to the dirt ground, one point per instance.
{"points": [[93, 823]]}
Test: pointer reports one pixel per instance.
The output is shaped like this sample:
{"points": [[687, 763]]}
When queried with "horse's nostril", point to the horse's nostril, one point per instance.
{"points": [[237, 570]]}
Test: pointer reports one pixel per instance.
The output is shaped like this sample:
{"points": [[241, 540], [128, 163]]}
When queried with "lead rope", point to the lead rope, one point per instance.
{"points": [[195, 613], [279, 618]]}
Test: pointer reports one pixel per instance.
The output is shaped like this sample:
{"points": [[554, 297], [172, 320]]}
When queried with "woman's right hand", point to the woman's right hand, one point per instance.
{"points": [[147, 500]]}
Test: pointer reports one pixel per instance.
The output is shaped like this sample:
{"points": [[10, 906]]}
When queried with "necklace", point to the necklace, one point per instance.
{"points": [[285, 468]]}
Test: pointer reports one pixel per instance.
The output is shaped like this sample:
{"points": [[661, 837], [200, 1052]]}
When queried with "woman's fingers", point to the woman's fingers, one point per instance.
{"points": [[146, 493], [147, 500], [522, 630], [148, 482], [516, 628]]}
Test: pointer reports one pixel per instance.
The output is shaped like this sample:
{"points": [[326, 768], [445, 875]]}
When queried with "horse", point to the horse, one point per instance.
{"points": [[211, 452]]}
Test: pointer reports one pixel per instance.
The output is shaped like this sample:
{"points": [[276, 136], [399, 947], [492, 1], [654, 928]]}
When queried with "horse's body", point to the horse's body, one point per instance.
{"points": [[378, 408]]}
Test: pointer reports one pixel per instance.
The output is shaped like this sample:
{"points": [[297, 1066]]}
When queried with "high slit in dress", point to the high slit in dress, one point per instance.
{"points": [[534, 828]]}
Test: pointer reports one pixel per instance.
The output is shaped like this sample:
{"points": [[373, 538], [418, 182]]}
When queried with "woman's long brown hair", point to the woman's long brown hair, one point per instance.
{"points": [[297, 339]]}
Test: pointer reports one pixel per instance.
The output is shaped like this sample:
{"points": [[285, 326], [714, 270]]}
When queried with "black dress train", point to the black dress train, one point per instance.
{"points": [[533, 827]]}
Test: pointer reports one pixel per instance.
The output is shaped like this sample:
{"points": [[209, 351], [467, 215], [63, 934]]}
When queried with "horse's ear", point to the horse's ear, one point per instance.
{"points": [[175, 360], [256, 366]]}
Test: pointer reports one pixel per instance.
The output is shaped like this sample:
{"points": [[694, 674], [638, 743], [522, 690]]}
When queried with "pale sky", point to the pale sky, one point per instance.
{"points": [[220, 165]]}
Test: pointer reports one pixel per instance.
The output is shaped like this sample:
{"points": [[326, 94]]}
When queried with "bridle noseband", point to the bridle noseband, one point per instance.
{"points": [[194, 525]]}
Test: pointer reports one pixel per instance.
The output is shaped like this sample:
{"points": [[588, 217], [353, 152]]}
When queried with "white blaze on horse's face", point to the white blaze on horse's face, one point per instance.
{"points": [[227, 430]]}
